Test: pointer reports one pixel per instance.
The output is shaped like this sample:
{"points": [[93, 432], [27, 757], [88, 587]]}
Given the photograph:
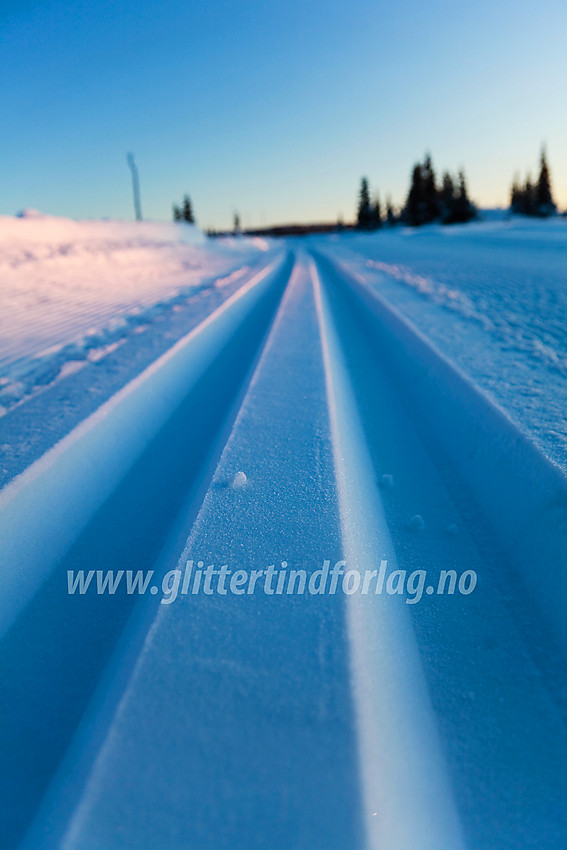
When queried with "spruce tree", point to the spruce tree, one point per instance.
{"points": [[187, 211], [422, 204], [463, 209], [413, 212], [426, 203], [534, 199], [516, 197], [176, 213], [376, 214], [447, 198], [543, 199], [364, 213], [431, 198], [529, 197], [390, 214]]}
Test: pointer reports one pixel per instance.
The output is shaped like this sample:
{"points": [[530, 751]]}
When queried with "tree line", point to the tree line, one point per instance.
{"points": [[447, 201], [184, 212], [534, 199], [428, 200]]}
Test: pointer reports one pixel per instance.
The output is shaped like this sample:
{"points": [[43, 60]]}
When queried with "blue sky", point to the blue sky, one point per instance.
{"points": [[273, 109]]}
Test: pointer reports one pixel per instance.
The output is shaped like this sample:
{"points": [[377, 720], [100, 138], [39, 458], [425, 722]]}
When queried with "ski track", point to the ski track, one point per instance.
{"points": [[305, 419], [496, 307]]}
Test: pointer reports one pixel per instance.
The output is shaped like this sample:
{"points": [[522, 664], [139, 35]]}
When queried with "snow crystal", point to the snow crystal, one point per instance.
{"points": [[416, 523], [239, 481]]}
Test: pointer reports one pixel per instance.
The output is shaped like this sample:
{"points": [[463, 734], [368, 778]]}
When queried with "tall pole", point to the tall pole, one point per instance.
{"points": [[135, 186]]}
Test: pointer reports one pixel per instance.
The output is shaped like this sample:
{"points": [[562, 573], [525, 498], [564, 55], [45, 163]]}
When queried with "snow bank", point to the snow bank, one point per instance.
{"points": [[31, 228], [72, 289]]}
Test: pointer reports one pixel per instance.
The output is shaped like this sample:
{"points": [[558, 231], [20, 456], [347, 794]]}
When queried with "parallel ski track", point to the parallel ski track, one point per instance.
{"points": [[452, 710]]}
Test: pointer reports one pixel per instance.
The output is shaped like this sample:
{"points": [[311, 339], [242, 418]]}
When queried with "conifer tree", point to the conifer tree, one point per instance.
{"points": [[516, 196], [414, 210], [187, 210], [390, 214], [447, 197], [529, 197], [463, 209], [431, 198], [534, 199], [364, 213], [543, 199], [426, 203], [376, 214], [176, 213], [456, 207], [421, 204]]}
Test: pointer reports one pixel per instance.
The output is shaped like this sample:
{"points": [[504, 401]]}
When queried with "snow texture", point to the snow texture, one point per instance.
{"points": [[390, 399], [72, 291]]}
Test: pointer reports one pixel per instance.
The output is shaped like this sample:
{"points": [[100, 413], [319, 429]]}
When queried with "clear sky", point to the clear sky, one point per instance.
{"points": [[275, 109]]}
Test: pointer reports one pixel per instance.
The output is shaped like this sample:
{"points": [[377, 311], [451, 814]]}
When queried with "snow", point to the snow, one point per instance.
{"points": [[257, 669], [86, 466], [523, 493], [74, 290], [239, 481], [493, 297], [398, 739], [416, 523], [391, 401]]}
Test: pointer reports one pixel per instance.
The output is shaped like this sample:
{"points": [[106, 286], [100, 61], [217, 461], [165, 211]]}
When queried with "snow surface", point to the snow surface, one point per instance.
{"points": [[398, 738], [493, 297], [356, 397], [71, 291], [84, 468]]}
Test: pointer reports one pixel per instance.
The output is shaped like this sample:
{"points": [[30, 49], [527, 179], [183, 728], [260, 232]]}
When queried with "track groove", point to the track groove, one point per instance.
{"points": [[56, 646], [311, 721]]}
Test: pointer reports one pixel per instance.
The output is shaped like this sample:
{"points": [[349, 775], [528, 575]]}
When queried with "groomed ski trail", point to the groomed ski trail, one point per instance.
{"points": [[311, 721]]}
